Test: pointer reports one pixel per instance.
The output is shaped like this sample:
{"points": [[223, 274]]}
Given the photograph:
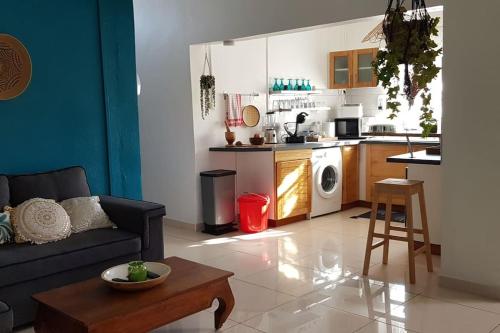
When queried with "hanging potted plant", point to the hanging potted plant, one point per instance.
{"points": [[409, 41], [207, 87]]}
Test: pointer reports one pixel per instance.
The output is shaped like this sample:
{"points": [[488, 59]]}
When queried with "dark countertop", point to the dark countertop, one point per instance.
{"points": [[328, 144], [419, 157]]}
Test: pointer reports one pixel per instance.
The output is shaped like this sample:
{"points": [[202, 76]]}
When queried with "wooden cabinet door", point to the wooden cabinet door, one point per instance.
{"points": [[378, 169], [293, 188], [340, 70], [363, 73], [350, 174]]}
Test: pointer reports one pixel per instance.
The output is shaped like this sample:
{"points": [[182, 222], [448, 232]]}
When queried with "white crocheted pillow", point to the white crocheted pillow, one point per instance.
{"points": [[40, 221], [86, 213]]}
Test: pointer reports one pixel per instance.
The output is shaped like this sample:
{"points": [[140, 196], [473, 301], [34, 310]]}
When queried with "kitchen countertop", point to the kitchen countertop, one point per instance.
{"points": [[419, 157], [328, 144]]}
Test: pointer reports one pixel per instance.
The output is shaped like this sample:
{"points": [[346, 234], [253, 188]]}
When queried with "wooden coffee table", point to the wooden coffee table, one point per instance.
{"points": [[92, 306]]}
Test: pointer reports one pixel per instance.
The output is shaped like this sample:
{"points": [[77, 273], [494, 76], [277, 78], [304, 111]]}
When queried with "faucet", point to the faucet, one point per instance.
{"points": [[410, 147]]}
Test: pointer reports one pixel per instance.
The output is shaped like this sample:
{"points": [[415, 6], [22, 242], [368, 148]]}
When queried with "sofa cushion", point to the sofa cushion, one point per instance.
{"points": [[4, 192], [6, 318], [58, 185], [23, 262]]}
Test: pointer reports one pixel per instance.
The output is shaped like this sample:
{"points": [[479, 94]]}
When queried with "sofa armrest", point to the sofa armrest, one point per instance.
{"points": [[140, 217]]}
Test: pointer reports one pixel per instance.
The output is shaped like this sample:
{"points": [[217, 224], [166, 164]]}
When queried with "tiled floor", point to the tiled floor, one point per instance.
{"points": [[306, 277]]}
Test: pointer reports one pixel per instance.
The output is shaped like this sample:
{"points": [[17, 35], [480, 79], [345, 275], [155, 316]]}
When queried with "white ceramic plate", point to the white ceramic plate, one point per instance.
{"points": [[121, 272]]}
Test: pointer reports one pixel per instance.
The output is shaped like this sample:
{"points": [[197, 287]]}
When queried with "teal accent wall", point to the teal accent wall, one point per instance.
{"points": [[81, 105]]}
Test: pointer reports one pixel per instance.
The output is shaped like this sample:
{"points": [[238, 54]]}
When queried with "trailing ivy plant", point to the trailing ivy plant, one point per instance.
{"points": [[409, 42], [207, 86]]}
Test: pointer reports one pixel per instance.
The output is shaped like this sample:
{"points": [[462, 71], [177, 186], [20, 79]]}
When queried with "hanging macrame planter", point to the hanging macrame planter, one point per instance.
{"points": [[409, 41], [207, 87]]}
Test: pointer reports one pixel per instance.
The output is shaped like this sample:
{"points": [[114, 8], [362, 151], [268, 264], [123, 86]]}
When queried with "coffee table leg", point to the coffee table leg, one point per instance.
{"points": [[226, 304]]}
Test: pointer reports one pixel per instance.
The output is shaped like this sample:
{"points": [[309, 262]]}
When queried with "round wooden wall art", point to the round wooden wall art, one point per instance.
{"points": [[15, 67]]}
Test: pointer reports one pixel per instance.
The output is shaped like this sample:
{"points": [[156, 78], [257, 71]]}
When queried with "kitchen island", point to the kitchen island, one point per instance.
{"points": [[425, 167]]}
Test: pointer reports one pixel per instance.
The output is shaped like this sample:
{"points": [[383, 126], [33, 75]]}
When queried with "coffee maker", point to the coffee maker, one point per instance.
{"points": [[292, 136]]}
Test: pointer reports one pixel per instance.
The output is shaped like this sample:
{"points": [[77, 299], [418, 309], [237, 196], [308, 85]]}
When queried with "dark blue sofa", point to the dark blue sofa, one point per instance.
{"points": [[27, 269]]}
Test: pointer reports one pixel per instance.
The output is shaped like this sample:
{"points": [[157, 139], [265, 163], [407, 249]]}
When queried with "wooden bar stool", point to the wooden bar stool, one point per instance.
{"points": [[399, 187]]}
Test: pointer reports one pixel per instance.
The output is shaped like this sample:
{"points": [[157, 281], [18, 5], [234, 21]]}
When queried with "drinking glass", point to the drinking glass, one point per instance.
{"points": [[276, 87]]}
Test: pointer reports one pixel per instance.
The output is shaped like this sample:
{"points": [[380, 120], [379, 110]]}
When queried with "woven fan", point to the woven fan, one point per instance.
{"points": [[376, 35]]}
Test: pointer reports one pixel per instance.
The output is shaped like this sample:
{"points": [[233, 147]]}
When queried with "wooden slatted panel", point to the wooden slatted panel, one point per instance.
{"points": [[293, 188], [350, 174]]}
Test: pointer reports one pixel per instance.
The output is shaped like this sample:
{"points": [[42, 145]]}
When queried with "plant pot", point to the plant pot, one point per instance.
{"points": [[230, 138], [404, 31]]}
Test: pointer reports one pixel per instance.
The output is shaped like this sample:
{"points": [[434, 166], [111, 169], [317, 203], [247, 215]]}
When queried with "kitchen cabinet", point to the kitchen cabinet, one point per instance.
{"points": [[350, 174], [293, 183], [377, 167], [363, 73], [340, 70], [352, 69]]}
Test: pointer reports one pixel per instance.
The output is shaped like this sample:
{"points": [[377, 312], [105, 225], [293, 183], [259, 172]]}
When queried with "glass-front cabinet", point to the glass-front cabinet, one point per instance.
{"points": [[352, 69], [364, 76], [340, 70]]}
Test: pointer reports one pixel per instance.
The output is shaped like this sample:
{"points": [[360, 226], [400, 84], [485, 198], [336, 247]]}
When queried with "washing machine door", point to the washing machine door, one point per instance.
{"points": [[327, 180]]}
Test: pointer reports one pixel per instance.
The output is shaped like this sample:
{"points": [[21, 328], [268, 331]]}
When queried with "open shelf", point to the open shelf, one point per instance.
{"points": [[319, 108], [295, 92]]}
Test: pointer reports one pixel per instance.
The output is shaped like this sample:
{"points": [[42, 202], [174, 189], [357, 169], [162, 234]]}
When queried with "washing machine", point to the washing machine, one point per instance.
{"points": [[327, 181]]}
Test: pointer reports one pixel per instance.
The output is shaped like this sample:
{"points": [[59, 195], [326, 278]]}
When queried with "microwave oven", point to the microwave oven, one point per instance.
{"points": [[348, 128]]}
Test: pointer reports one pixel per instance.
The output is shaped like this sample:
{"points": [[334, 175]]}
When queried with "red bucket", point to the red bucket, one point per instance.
{"points": [[254, 212]]}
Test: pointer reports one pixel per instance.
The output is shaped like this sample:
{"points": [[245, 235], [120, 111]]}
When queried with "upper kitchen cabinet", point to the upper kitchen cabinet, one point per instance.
{"points": [[364, 75], [340, 70], [352, 69]]}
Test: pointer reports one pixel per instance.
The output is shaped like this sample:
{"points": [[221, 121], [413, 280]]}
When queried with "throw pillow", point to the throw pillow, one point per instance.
{"points": [[40, 221], [6, 233], [86, 213]]}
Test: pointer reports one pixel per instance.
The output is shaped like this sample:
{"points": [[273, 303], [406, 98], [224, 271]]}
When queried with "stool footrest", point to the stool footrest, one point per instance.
{"points": [[419, 250], [378, 244], [393, 237], [415, 231]]}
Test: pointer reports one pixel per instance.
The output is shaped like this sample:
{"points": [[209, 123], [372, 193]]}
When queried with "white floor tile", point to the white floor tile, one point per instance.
{"points": [[200, 251], [283, 249], [378, 327], [496, 329], [202, 322], [362, 296], [252, 300], [303, 316], [424, 314], [241, 329], [242, 264], [436, 291], [400, 274], [295, 280]]}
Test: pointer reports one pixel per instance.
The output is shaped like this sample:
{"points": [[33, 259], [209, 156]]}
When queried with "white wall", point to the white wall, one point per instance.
{"points": [[237, 69], [164, 31], [305, 54], [471, 223]]}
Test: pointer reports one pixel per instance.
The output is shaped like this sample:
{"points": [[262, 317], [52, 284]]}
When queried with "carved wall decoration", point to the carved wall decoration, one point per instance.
{"points": [[15, 67]]}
